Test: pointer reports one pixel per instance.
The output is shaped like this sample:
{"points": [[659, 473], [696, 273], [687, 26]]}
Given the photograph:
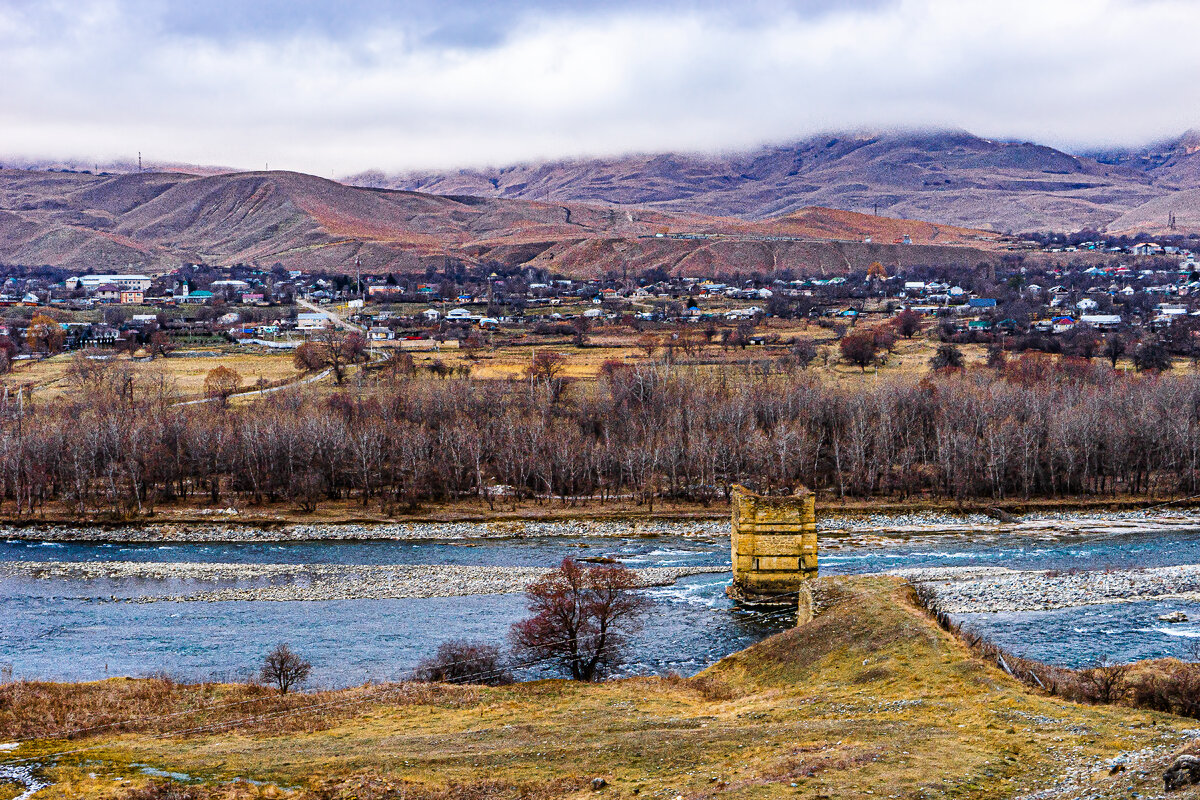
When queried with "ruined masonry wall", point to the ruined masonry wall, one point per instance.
{"points": [[774, 543]]}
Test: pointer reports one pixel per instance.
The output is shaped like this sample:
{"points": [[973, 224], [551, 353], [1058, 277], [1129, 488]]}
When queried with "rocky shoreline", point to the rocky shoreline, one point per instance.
{"points": [[969, 590], [293, 582], [829, 524]]}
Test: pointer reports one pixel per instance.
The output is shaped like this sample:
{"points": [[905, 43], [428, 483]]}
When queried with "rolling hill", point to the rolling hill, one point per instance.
{"points": [[948, 177], [154, 221]]}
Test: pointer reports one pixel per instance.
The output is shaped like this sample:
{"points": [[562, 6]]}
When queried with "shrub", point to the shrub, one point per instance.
{"points": [[462, 661]]}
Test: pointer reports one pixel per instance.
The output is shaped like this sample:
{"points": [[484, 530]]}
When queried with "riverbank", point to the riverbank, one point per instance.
{"points": [[830, 523], [300, 582], [869, 699], [970, 590], [621, 510]]}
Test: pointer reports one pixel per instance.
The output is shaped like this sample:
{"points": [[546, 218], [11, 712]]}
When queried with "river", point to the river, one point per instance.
{"points": [[71, 629]]}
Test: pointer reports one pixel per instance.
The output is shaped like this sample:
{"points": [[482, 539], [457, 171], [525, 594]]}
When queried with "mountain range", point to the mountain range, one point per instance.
{"points": [[807, 206], [949, 177], [155, 221]]}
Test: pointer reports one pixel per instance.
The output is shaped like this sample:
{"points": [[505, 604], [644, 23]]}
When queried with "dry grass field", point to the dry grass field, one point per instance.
{"points": [[871, 699], [186, 372], [910, 357]]}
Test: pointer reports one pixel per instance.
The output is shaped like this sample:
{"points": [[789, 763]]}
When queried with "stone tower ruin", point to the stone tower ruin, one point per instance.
{"points": [[774, 547]]}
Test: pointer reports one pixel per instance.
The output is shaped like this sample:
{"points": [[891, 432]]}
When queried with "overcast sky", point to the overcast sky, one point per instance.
{"points": [[338, 87]]}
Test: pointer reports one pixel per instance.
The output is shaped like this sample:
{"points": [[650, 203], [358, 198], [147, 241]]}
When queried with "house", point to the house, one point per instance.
{"points": [[312, 321], [107, 293], [132, 297], [458, 313], [431, 314], [379, 333], [1087, 304], [981, 302], [144, 319], [253, 299], [1061, 324], [30, 299]]}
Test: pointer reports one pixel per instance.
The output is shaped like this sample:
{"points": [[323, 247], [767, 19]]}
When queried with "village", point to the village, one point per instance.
{"points": [[1023, 304]]}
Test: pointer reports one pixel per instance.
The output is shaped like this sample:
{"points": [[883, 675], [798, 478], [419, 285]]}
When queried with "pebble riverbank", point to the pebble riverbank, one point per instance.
{"points": [[829, 524], [967, 590], [290, 582]]}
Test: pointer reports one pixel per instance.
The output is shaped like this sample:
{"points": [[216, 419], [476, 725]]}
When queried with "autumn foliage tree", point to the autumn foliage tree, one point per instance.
{"points": [[581, 619], [45, 334]]}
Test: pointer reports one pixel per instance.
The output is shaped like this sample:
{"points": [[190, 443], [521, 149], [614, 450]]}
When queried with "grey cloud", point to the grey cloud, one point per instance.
{"points": [[366, 83]]}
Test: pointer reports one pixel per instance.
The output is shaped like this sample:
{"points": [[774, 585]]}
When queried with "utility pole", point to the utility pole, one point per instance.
{"points": [[139, 160]]}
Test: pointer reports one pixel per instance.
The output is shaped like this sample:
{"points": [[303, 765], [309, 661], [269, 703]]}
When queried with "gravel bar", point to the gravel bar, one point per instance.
{"points": [[966, 590], [829, 524], [318, 581]]}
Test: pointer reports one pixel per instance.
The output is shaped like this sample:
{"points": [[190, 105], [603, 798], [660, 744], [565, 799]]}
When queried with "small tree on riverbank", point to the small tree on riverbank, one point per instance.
{"points": [[582, 619], [284, 669]]}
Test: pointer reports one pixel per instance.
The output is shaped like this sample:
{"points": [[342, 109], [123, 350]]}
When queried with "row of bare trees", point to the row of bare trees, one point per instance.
{"points": [[647, 432]]}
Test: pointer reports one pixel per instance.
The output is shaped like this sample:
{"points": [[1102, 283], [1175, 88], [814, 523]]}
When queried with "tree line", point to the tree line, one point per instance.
{"points": [[1034, 426]]}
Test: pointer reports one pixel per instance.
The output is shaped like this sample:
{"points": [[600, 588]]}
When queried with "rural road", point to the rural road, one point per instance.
{"points": [[301, 382]]}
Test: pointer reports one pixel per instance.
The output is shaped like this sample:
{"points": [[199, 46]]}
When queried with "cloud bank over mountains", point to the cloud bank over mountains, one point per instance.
{"points": [[335, 88]]}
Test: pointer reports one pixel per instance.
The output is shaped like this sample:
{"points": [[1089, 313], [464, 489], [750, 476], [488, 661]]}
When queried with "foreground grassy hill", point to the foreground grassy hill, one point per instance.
{"points": [[870, 699]]}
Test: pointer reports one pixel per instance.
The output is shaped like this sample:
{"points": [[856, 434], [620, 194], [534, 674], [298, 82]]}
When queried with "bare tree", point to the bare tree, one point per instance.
{"points": [[859, 349], [284, 669], [1106, 682], [220, 383], [907, 323], [581, 618]]}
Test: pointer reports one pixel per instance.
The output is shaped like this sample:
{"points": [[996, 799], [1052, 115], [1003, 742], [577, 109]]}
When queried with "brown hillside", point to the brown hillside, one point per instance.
{"points": [[156, 221]]}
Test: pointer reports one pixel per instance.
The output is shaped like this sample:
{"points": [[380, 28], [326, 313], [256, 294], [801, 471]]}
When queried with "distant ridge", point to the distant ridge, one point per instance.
{"points": [[948, 177]]}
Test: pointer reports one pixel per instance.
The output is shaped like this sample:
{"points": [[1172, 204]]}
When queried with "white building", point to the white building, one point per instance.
{"points": [[1101, 320], [313, 321], [136, 282]]}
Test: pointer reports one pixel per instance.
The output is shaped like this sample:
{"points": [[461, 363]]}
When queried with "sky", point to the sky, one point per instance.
{"points": [[334, 88]]}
